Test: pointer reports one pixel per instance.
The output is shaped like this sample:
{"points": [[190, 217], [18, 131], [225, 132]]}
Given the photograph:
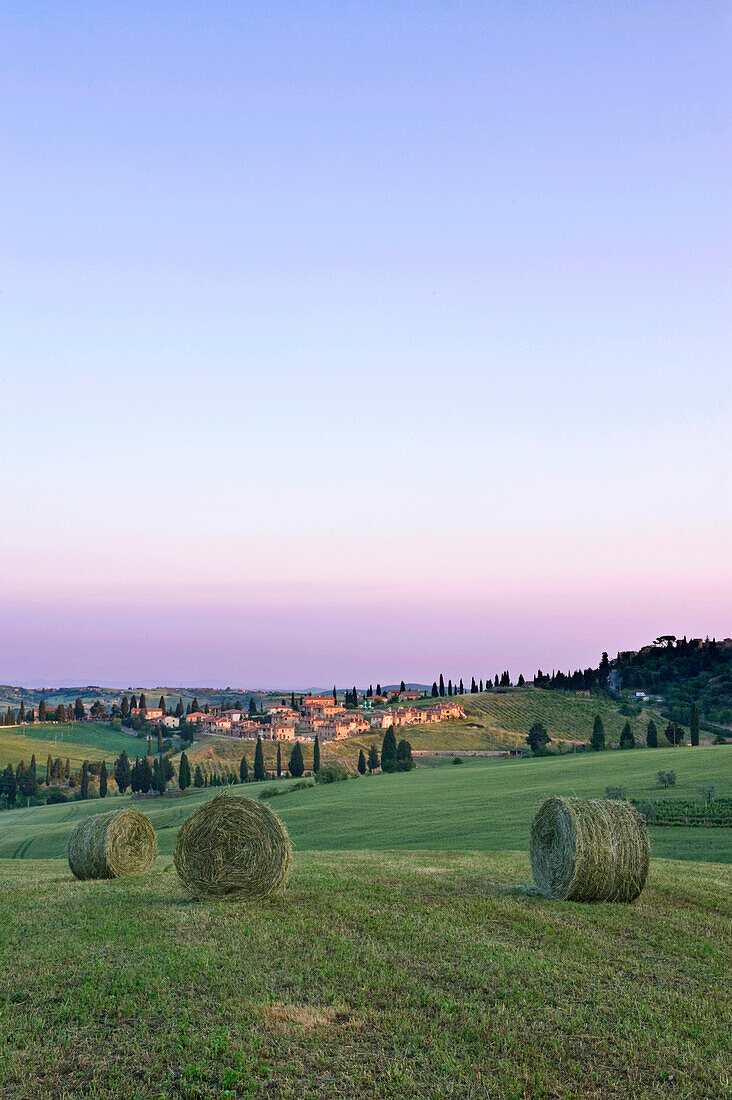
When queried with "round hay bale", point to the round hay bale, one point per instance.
{"points": [[589, 850], [112, 845], [232, 848]]}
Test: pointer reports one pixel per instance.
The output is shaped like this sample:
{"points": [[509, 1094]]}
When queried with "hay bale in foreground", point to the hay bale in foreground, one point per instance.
{"points": [[589, 850], [232, 848], [112, 845]]}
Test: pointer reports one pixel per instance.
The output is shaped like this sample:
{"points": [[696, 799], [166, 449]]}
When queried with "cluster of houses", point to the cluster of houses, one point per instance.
{"points": [[319, 716]]}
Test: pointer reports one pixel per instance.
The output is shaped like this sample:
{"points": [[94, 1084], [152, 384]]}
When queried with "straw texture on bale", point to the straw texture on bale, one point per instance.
{"points": [[589, 850], [112, 845], [232, 848]]}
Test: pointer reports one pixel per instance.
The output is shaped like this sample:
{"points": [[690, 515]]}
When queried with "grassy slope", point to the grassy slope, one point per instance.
{"points": [[500, 720], [376, 975], [79, 741], [480, 806], [493, 721]]}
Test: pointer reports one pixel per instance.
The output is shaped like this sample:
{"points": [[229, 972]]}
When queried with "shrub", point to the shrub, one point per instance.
{"points": [[331, 773], [666, 779], [56, 797], [617, 793], [456, 760]]}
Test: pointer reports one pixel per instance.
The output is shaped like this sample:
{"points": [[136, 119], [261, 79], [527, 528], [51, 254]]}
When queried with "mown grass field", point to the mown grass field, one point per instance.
{"points": [[375, 975], [487, 805], [79, 741]]}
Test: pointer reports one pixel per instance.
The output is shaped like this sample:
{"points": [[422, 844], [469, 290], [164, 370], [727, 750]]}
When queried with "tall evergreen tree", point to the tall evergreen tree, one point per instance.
{"points": [[160, 739], [49, 770], [179, 710], [133, 702], [462, 689], [335, 695], [21, 712], [125, 707], [161, 704], [402, 686], [244, 770], [388, 751], [67, 768], [184, 773], [361, 763], [10, 785], [198, 780], [378, 689], [373, 760], [442, 693], [42, 712], [252, 706], [122, 772], [145, 775], [651, 735], [435, 692], [296, 765], [627, 740], [521, 680], [259, 772], [84, 785], [195, 705], [404, 761], [279, 760], [143, 701], [449, 688], [103, 780], [79, 710], [597, 740], [694, 724], [316, 756]]}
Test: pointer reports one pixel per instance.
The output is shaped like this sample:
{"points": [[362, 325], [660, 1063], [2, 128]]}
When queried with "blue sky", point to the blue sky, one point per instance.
{"points": [[309, 311]]}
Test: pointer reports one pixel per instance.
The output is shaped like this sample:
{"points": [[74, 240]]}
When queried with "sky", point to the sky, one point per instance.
{"points": [[352, 342]]}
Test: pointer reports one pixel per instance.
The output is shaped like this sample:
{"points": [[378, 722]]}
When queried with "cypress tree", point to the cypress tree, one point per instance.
{"points": [[335, 696], [133, 702], [143, 701], [184, 773], [627, 740], [404, 761], [244, 770], [651, 735], [122, 772], [694, 724], [442, 693], [145, 775], [67, 768], [401, 687], [462, 689], [149, 745], [296, 765], [373, 760], [361, 762], [125, 706], [378, 689], [10, 785], [84, 786], [449, 688], [316, 756], [29, 785], [198, 778], [195, 707], [103, 780], [161, 704], [388, 751], [42, 713], [21, 712], [259, 772], [33, 763], [597, 741], [160, 739], [79, 711], [49, 770], [252, 706], [435, 692], [279, 759], [179, 710]]}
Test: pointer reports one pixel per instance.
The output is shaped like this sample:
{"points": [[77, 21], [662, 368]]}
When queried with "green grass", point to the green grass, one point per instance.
{"points": [[79, 741], [486, 806], [404, 975]]}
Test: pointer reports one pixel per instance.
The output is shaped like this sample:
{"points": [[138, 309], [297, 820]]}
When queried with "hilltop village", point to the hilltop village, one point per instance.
{"points": [[322, 716]]}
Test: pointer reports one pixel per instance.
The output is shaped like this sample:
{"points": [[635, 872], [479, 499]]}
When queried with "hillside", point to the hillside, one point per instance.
{"points": [[486, 805], [79, 741]]}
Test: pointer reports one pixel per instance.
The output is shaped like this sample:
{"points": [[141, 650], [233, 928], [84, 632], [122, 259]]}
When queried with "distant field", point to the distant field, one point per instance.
{"points": [[79, 741], [487, 805]]}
